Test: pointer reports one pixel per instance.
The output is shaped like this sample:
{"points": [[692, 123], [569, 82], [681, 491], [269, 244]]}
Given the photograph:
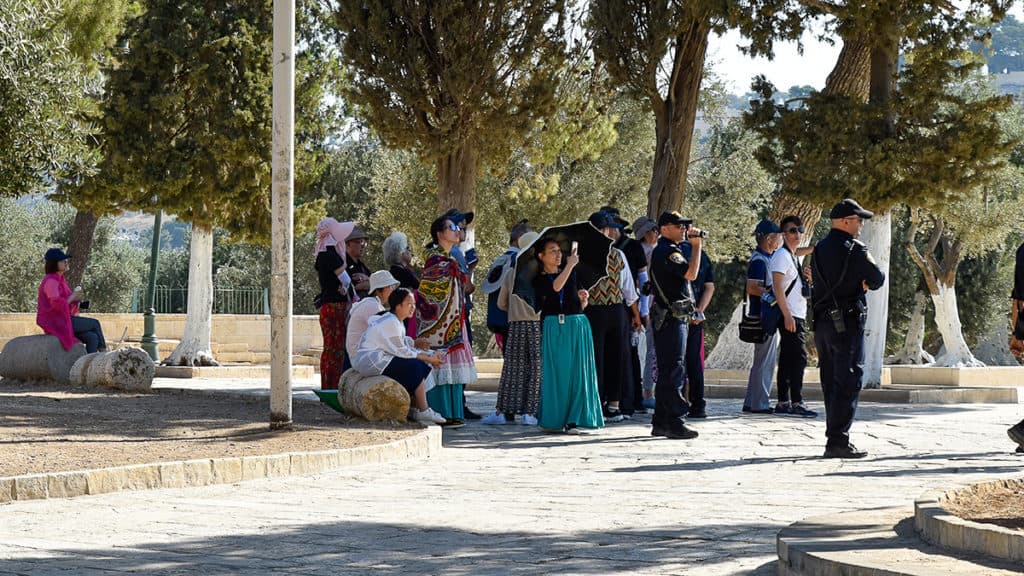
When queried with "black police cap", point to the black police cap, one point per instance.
{"points": [[849, 207]]}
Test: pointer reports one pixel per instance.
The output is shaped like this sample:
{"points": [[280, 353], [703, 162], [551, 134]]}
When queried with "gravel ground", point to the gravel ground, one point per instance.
{"points": [[50, 428], [1002, 505]]}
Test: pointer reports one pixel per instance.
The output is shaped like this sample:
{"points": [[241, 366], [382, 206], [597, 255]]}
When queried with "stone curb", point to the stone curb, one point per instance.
{"points": [[938, 526], [208, 471]]}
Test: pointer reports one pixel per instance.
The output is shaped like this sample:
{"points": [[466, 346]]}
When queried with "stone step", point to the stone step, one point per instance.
{"points": [[886, 394], [236, 357], [229, 347], [229, 371], [879, 542]]}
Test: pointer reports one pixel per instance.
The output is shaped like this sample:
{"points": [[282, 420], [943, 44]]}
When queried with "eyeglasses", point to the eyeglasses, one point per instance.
{"points": [[454, 227], [797, 230]]}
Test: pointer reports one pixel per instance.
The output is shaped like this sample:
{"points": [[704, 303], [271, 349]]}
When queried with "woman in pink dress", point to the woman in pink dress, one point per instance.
{"points": [[58, 306]]}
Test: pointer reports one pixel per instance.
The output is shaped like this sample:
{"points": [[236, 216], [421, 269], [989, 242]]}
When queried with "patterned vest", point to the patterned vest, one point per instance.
{"points": [[608, 291]]}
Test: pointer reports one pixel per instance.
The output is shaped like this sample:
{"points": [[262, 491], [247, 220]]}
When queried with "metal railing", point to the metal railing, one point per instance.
{"points": [[173, 300]]}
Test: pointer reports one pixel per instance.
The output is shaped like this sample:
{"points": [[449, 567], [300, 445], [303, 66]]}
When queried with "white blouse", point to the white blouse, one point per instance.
{"points": [[383, 340], [358, 319]]}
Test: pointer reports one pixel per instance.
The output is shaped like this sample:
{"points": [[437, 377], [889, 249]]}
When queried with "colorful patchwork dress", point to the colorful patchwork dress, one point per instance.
{"points": [[441, 320]]}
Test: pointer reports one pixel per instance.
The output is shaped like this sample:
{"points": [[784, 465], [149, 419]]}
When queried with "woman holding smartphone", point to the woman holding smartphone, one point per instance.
{"points": [[569, 399]]}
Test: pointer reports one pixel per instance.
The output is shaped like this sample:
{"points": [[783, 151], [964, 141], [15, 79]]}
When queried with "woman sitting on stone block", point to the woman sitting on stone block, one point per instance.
{"points": [[384, 349], [58, 307]]}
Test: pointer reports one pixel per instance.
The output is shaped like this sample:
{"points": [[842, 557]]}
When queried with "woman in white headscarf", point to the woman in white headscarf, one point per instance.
{"points": [[336, 295]]}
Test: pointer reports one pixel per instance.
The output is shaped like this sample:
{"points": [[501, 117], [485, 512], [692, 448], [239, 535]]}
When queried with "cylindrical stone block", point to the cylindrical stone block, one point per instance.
{"points": [[124, 369], [375, 398], [80, 370], [39, 357]]}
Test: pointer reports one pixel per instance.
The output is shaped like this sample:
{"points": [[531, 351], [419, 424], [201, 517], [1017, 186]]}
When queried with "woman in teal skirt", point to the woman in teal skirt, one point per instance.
{"points": [[569, 399]]}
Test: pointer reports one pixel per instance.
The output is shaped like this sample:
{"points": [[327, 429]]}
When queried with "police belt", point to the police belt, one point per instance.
{"points": [[681, 310]]}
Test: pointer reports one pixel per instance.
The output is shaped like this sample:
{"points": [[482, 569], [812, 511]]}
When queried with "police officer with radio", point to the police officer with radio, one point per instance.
{"points": [[843, 271], [670, 275]]}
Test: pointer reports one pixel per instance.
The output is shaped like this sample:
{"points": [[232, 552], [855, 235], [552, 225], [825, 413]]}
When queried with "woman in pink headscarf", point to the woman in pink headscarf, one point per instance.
{"points": [[336, 295]]}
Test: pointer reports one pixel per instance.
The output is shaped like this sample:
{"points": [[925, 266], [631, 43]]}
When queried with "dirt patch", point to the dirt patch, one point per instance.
{"points": [[50, 428], [1000, 503]]}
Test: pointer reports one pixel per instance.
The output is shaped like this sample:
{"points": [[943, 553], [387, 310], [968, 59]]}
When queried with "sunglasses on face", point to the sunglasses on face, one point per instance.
{"points": [[798, 229], [454, 227]]}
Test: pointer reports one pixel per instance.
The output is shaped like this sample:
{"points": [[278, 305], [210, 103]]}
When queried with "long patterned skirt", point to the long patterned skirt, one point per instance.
{"points": [[568, 389], [334, 325], [458, 370], [519, 388]]}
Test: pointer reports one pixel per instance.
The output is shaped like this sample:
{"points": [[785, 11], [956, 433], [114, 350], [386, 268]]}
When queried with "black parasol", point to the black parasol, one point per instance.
{"points": [[593, 248]]}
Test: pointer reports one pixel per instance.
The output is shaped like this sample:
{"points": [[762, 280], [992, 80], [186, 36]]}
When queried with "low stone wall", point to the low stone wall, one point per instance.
{"points": [[250, 329]]}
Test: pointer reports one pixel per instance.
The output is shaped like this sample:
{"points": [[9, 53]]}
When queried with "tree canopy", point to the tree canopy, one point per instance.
{"points": [[188, 114], [916, 140], [459, 83]]}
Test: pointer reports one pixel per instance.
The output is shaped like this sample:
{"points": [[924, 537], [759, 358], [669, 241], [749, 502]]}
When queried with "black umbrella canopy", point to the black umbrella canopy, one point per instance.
{"points": [[593, 248]]}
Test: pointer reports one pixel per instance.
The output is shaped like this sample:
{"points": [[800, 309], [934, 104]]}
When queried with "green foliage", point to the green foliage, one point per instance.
{"points": [[188, 115], [441, 77], [30, 227], [43, 91], [928, 143], [729, 191]]}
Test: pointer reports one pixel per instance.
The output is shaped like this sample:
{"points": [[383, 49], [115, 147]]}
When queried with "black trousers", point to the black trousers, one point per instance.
{"points": [[841, 364], [792, 362], [695, 367], [88, 330], [611, 351], [670, 406]]}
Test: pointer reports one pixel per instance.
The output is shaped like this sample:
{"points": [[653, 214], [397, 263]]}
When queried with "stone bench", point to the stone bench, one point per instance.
{"points": [[39, 357], [374, 398]]}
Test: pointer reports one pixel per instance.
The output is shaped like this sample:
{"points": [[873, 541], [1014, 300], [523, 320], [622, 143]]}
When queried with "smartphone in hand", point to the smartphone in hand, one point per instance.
{"points": [[575, 247]]}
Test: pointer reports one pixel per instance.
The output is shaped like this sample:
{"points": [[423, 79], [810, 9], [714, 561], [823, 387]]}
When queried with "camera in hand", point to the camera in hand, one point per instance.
{"points": [[646, 289], [83, 305], [697, 234]]}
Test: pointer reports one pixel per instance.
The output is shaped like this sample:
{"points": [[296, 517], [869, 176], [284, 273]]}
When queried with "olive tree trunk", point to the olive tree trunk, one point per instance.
{"points": [[675, 115], [82, 232]]}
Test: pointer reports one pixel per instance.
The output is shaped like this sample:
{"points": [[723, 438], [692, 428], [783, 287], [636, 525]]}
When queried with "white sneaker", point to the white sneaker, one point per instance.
{"points": [[429, 415], [494, 419], [529, 420]]}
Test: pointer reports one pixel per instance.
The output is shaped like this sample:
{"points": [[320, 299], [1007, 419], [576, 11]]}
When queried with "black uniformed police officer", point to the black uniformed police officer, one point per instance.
{"points": [[843, 271], [671, 274]]}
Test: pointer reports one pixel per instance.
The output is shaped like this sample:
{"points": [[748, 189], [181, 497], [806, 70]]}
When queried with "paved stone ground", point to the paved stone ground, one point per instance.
{"points": [[512, 500]]}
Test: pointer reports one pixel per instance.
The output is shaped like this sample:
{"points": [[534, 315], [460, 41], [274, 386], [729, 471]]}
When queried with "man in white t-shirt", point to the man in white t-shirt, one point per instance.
{"points": [[791, 294]]}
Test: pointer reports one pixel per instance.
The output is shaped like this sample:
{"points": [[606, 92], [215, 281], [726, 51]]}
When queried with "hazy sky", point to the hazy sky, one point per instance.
{"points": [[788, 68]]}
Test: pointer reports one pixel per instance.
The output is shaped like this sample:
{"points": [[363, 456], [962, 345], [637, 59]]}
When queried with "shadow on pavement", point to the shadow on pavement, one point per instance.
{"points": [[374, 548]]}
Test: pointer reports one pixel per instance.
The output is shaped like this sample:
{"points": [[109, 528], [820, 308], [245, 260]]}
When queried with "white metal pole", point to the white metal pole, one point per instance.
{"points": [[282, 194]]}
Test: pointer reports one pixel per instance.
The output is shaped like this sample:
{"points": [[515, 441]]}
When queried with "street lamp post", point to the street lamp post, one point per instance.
{"points": [[149, 343]]}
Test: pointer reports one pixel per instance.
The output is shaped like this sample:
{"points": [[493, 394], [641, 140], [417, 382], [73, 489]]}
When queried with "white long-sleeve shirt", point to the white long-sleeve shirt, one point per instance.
{"points": [[383, 340], [358, 320]]}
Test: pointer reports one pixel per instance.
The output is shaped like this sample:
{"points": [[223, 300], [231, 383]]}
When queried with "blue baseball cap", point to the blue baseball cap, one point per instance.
{"points": [[55, 255], [602, 219], [765, 227]]}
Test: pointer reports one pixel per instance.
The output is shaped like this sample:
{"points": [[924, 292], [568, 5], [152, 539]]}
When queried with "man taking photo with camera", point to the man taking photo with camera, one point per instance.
{"points": [[670, 275]]}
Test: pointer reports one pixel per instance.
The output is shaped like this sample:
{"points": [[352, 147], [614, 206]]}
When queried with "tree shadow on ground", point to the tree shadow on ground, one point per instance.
{"points": [[79, 415], [357, 547]]}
